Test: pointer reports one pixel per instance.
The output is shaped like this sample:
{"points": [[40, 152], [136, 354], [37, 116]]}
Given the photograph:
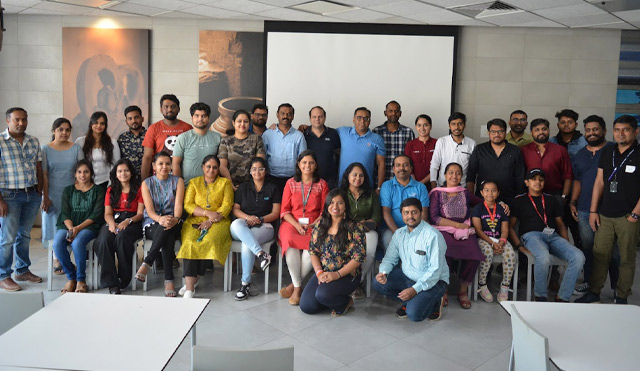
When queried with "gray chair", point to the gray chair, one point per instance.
{"points": [[236, 247], [17, 306], [554, 260], [529, 348], [146, 248], [216, 359], [92, 280], [497, 259]]}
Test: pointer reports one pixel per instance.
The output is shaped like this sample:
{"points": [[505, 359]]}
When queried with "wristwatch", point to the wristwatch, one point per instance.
{"points": [[635, 216], [564, 197]]}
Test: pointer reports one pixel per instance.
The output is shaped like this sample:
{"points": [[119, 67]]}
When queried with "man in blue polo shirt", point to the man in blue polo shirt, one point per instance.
{"points": [[359, 144], [396, 190]]}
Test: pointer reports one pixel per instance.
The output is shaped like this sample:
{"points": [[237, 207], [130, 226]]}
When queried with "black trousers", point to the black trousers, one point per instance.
{"points": [[195, 267], [163, 244], [109, 246]]}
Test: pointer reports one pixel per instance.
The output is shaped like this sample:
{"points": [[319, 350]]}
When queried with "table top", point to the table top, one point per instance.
{"points": [[101, 332], [586, 336]]}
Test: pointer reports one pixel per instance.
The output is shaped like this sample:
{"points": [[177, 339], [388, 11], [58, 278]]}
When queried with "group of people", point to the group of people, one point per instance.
{"points": [[331, 198]]}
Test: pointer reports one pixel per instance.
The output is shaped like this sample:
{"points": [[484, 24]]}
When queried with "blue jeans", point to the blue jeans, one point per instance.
{"points": [[421, 305], [587, 236], [15, 234], [541, 245], [251, 239], [79, 247]]}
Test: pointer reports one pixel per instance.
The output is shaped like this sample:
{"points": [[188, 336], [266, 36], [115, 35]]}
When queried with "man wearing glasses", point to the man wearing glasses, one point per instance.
{"points": [[498, 161], [259, 115], [517, 135]]}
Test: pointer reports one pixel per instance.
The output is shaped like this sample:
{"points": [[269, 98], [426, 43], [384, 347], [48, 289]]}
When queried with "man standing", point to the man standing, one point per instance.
{"points": [[396, 190], [325, 142], [395, 136], [163, 134], [283, 146], [616, 185], [359, 144], [130, 142], [498, 161], [20, 186], [194, 145], [518, 124], [422, 278], [259, 115], [568, 136], [455, 147]]}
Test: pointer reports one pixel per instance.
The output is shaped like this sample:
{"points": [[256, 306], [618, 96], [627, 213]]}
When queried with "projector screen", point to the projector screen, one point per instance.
{"points": [[341, 71]]}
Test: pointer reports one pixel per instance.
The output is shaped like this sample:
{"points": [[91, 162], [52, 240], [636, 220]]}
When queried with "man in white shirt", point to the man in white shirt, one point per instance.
{"points": [[454, 147]]}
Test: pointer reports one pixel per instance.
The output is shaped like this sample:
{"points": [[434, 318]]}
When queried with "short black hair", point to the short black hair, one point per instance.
{"points": [[393, 102], [595, 118], [402, 155], [14, 109], [497, 122], [199, 106], [287, 105], [568, 113], [368, 111], [426, 117], [456, 116], [489, 181], [518, 112], [132, 109], [259, 106], [411, 201], [170, 97], [627, 119], [537, 122], [324, 113]]}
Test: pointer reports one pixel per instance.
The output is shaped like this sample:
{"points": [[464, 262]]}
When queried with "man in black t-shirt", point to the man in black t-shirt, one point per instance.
{"points": [[325, 142], [542, 232]]}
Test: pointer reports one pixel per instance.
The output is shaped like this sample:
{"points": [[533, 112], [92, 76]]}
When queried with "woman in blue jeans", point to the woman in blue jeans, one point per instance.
{"points": [[337, 249], [256, 206], [81, 215]]}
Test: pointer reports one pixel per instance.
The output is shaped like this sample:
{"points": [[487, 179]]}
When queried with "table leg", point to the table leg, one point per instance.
{"points": [[193, 342]]}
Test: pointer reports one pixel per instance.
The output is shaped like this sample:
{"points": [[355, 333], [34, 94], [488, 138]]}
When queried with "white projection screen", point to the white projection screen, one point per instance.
{"points": [[344, 70]]}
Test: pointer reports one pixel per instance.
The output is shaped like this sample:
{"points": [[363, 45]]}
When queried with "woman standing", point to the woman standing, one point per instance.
{"points": [[59, 157], [98, 147], [302, 203], [80, 218], [205, 233], [163, 195], [123, 213], [420, 150], [337, 249]]}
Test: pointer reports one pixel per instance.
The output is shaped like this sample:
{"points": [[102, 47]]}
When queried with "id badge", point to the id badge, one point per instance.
{"points": [[115, 217], [303, 221], [421, 252], [548, 231], [613, 187]]}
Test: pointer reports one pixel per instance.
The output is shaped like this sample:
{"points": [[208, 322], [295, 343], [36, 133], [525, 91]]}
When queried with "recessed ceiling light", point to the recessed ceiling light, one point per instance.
{"points": [[322, 7]]}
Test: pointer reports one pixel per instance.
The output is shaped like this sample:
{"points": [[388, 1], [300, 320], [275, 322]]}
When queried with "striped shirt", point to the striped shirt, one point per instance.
{"points": [[18, 162]]}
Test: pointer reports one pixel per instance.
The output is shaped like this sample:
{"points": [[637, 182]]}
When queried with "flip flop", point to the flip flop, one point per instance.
{"points": [[81, 287], [70, 286], [58, 270]]}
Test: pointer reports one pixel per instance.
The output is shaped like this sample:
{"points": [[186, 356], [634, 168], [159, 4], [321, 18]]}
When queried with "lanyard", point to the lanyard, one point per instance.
{"points": [[613, 163], [495, 209], [305, 200], [544, 213]]}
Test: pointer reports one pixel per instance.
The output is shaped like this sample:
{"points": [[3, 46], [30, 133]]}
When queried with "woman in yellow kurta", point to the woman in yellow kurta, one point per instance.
{"points": [[205, 233]]}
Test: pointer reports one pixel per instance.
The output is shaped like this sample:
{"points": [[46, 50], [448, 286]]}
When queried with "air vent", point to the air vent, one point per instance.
{"points": [[484, 10]]}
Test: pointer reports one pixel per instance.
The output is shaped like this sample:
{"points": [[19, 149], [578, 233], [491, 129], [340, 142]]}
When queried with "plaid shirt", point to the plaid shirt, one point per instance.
{"points": [[18, 162], [394, 144], [131, 148]]}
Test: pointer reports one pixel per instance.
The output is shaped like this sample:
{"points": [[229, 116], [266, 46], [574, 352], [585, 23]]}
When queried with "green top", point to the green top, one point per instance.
{"points": [[365, 208], [525, 139], [79, 206]]}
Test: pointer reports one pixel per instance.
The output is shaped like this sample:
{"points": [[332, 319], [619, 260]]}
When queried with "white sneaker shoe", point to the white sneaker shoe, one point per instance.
{"points": [[188, 294], [183, 289]]}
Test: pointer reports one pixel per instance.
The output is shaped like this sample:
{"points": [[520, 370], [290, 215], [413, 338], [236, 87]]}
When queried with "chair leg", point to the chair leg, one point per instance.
{"points": [[266, 280], [475, 286], [226, 272], [144, 284], [50, 267], [514, 282], [134, 263], [529, 268], [367, 286], [279, 268]]}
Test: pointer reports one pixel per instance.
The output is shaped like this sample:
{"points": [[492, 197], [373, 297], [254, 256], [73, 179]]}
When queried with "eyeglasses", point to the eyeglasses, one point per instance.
{"points": [[363, 118], [261, 114], [497, 132], [516, 120], [256, 169]]}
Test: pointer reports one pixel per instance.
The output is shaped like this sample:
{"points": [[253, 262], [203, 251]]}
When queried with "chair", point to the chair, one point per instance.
{"points": [[497, 259], [236, 247], [17, 306], [215, 359], [146, 246], [91, 267], [529, 348], [554, 260]]}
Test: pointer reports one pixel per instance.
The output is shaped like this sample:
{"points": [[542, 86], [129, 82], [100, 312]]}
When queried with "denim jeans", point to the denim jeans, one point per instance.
{"points": [[587, 236], [541, 246], [79, 247], [15, 233], [251, 239], [421, 305]]}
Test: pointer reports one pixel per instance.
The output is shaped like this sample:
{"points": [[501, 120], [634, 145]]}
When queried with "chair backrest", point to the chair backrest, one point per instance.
{"points": [[530, 348], [216, 359], [15, 307]]}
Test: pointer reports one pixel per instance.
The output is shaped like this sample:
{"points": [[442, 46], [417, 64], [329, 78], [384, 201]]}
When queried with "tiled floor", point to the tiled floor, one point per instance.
{"points": [[370, 338]]}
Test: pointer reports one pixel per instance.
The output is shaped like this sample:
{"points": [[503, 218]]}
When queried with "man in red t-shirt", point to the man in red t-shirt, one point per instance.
{"points": [[163, 134]]}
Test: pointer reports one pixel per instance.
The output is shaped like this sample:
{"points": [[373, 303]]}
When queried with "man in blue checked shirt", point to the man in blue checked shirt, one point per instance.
{"points": [[20, 186], [395, 136], [422, 279]]}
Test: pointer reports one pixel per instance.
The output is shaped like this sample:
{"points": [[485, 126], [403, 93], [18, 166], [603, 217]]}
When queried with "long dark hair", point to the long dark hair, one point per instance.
{"points": [[116, 186], [57, 123], [365, 188], [346, 224], [105, 139], [298, 174], [84, 162]]}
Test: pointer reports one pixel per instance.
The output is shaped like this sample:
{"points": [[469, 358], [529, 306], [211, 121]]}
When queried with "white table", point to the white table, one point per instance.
{"points": [[102, 332], [586, 336]]}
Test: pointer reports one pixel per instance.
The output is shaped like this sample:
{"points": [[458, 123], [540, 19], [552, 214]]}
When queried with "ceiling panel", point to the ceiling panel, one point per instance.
{"points": [[138, 9], [588, 21], [282, 3], [164, 4], [467, 22], [211, 11], [513, 19], [367, 3], [439, 17], [242, 6], [10, 9], [63, 8], [454, 3], [397, 20], [285, 14], [577, 10], [619, 26], [540, 4], [629, 15], [405, 8], [20, 3], [360, 15]]}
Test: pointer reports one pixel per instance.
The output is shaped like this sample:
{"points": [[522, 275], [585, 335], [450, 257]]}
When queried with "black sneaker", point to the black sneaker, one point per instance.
{"points": [[581, 289], [265, 260], [437, 314], [541, 298], [114, 290], [588, 298], [244, 292], [402, 312]]}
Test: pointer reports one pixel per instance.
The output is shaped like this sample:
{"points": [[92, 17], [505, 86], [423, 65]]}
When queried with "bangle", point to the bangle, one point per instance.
{"points": [[130, 221], [319, 271], [503, 240], [593, 212], [339, 274]]}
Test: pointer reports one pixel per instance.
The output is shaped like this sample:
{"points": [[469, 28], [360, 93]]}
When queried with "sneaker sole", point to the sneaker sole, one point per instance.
{"points": [[240, 299]]}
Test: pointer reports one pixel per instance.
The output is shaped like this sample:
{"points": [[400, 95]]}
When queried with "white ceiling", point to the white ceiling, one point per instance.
{"points": [[624, 14]]}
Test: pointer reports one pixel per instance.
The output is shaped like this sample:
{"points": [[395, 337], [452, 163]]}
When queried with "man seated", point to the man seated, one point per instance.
{"points": [[422, 279], [543, 233]]}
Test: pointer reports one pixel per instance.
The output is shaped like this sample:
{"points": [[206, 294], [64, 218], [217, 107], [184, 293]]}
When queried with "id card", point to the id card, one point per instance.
{"points": [[421, 252], [613, 187], [548, 231], [303, 221]]}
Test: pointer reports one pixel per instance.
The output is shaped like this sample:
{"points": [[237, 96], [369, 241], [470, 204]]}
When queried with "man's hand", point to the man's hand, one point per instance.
{"points": [[594, 221], [574, 212], [45, 205], [407, 294], [4, 209], [381, 278]]}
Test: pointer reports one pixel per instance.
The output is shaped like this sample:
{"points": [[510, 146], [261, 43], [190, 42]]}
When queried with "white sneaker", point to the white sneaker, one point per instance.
{"points": [[188, 294], [183, 289]]}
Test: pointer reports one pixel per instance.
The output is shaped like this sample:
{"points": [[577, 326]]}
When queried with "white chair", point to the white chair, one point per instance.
{"points": [[529, 348], [17, 306], [215, 359], [554, 260], [497, 259], [146, 246], [236, 247], [92, 268]]}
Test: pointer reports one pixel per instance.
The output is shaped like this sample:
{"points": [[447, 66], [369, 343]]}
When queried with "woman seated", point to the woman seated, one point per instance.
{"points": [[123, 213], [450, 212], [205, 233], [163, 195], [257, 205], [364, 208], [81, 216], [302, 202], [337, 249]]}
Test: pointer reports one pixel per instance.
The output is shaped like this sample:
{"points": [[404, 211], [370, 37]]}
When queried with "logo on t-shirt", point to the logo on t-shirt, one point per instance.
{"points": [[170, 143]]}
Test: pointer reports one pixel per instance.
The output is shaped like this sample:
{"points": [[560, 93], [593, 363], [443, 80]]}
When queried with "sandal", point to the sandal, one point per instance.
{"points": [[169, 293], [348, 309], [445, 300], [463, 299], [142, 276], [57, 268], [81, 287], [70, 286]]}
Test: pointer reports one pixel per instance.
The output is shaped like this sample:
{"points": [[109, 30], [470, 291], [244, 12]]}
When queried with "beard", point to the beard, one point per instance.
{"points": [[595, 141], [541, 139], [170, 117], [518, 128]]}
